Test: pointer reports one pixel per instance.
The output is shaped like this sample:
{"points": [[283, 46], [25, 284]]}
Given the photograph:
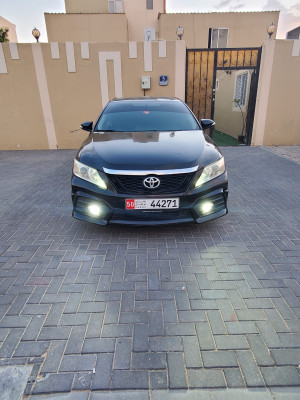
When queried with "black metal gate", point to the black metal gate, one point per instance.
{"points": [[201, 72]]}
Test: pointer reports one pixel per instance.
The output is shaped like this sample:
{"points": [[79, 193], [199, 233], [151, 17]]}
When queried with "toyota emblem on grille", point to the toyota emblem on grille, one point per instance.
{"points": [[151, 182]]}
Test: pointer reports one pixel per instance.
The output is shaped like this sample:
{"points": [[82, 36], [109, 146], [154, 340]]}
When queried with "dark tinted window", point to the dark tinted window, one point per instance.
{"points": [[136, 116], [149, 4]]}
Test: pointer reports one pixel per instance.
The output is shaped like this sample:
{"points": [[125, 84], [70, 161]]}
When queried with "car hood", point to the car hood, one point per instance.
{"points": [[148, 150]]}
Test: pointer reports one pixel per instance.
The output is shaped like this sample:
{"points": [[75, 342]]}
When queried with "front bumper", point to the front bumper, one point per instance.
{"points": [[113, 210]]}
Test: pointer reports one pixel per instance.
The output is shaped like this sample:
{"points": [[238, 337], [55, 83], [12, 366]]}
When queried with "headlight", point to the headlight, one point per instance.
{"points": [[211, 171], [88, 174]]}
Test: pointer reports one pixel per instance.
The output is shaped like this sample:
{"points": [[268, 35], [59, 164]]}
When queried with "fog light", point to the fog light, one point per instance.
{"points": [[206, 207], [94, 210]]}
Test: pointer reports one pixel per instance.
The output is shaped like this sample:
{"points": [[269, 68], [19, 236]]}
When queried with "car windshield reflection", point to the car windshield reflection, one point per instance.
{"points": [[133, 116]]}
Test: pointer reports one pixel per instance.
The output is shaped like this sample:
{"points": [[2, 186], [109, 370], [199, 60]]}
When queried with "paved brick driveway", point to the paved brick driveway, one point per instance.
{"points": [[185, 306]]}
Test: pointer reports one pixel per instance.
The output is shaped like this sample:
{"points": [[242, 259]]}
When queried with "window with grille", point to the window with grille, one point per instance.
{"points": [[111, 6], [217, 38], [240, 90], [149, 4], [115, 6]]}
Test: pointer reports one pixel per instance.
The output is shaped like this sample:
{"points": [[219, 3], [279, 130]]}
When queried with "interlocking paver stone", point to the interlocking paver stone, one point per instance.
{"points": [[54, 383], [140, 337], [249, 368], [54, 356], [192, 352], [123, 353], [76, 339], [290, 339], [83, 362], [205, 336], [102, 378], [129, 379], [31, 349], [191, 306], [158, 380], [269, 335], [55, 333], [231, 342], [241, 327], [260, 351], [206, 378], [286, 356], [234, 378], [98, 346], [82, 381], [281, 376], [176, 370], [219, 359], [118, 330], [163, 343], [149, 361], [94, 325]]}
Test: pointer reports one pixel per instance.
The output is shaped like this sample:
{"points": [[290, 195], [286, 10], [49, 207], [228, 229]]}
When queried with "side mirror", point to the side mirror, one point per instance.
{"points": [[207, 123], [87, 126]]}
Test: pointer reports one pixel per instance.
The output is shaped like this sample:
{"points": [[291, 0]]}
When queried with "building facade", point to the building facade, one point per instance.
{"points": [[106, 21], [12, 33], [144, 20], [294, 33], [219, 30]]}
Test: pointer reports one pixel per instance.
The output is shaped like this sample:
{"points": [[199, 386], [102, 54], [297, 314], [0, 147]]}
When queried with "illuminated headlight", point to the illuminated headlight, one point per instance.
{"points": [[211, 171], [88, 174]]}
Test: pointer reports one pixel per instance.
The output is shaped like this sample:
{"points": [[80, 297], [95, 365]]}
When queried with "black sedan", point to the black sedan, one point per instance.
{"points": [[147, 161]]}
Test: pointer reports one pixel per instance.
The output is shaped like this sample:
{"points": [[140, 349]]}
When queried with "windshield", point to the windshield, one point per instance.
{"points": [[151, 115]]}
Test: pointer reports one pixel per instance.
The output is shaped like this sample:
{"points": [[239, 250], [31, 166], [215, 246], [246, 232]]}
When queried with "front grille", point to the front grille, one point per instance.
{"points": [[133, 184], [123, 215]]}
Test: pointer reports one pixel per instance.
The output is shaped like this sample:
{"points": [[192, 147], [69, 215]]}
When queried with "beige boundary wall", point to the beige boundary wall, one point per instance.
{"points": [[48, 89], [277, 116]]}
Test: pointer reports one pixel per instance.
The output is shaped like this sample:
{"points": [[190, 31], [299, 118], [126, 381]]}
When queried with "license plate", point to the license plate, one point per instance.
{"points": [[151, 204]]}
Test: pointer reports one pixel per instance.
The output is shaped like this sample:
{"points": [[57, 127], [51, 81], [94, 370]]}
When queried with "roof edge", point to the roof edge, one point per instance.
{"points": [[223, 12]]}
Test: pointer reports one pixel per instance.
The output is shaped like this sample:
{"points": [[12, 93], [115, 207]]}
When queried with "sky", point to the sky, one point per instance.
{"points": [[27, 14]]}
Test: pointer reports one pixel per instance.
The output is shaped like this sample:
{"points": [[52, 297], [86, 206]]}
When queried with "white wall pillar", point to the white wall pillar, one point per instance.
{"points": [[115, 56], [3, 68], [44, 94], [263, 92], [180, 61]]}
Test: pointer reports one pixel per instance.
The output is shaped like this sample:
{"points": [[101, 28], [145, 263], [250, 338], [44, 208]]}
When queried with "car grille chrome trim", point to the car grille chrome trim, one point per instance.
{"points": [[169, 184], [151, 172]]}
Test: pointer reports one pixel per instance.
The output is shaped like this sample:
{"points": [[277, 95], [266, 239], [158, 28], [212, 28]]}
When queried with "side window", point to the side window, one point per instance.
{"points": [[118, 6], [115, 6], [149, 4], [217, 38], [111, 6], [240, 91]]}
